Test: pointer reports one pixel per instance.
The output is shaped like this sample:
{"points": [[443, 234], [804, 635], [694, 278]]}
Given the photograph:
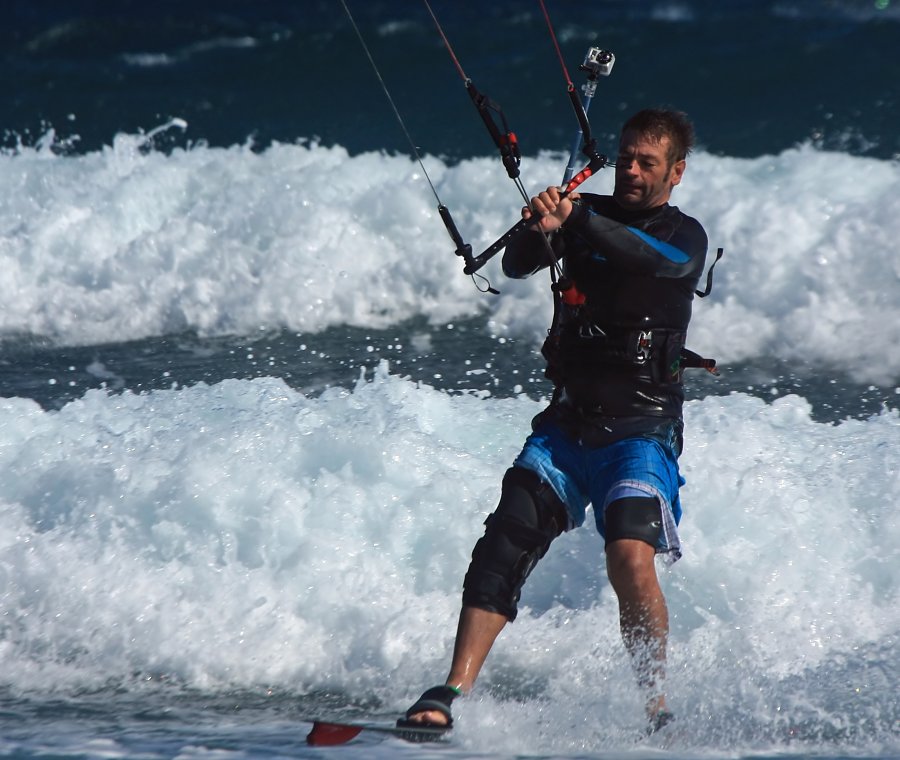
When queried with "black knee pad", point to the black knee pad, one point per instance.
{"points": [[518, 533], [637, 517]]}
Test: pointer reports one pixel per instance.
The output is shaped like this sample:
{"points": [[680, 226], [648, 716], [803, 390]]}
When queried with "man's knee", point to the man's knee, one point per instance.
{"points": [[517, 534], [634, 517]]}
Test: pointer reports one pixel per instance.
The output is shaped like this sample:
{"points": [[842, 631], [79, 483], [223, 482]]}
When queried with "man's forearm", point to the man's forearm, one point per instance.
{"points": [[526, 254]]}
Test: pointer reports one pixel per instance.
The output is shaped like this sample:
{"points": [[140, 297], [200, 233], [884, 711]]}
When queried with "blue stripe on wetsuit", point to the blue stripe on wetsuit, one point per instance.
{"points": [[670, 252]]}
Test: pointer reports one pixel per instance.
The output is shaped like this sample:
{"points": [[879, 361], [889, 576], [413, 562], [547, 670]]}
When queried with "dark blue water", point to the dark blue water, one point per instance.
{"points": [[757, 77]]}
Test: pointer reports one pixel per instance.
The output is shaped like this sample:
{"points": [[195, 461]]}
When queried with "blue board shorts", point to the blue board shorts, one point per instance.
{"points": [[580, 475]]}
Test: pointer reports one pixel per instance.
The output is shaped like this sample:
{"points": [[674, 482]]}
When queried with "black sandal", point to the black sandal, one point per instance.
{"points": [[436, 699]]}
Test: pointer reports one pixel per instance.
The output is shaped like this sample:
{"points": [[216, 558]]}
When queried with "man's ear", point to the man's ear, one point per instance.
{"points": [[677, 172]]}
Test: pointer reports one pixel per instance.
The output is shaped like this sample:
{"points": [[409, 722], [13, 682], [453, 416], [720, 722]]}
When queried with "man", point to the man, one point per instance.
{"points": [[612, 433]]}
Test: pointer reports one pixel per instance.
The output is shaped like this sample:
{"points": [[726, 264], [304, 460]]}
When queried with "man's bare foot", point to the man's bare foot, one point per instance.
{"points": [[429, 718], [432, 708]]}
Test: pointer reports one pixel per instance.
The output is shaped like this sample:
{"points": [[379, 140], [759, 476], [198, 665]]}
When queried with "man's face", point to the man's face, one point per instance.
{"points": [[644, 178]]}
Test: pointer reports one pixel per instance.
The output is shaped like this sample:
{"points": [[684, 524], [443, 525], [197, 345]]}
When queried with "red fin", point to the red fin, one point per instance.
{"points": [[329, 734]]}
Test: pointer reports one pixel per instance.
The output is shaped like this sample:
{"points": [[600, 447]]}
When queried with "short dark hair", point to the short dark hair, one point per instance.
{"points": [[665, 122]]}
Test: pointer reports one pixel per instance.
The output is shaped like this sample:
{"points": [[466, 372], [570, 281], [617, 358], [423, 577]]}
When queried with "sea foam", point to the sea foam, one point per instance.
{"points": [[245, 535], [131, 242]]}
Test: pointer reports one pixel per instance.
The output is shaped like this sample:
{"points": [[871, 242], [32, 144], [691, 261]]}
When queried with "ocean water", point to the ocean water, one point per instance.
{"points": [[253, 413]]}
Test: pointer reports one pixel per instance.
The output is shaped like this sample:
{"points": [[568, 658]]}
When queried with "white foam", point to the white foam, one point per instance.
{"points": [[129, 242], [244, 534]]}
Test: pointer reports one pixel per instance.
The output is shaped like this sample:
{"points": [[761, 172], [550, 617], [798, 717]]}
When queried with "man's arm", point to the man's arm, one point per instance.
{"points": [[531, 250], [675, 246], [527, 253]]}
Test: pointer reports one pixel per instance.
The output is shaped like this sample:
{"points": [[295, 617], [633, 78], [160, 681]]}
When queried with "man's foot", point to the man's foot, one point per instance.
{"points": [[659, 721], [432, 708]]}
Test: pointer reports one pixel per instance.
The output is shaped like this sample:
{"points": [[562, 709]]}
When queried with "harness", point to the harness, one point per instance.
{"points": [[660, 351]]}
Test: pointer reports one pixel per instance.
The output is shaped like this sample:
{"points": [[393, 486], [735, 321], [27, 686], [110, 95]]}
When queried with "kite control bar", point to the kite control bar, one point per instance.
{"points": [[596, 63]]}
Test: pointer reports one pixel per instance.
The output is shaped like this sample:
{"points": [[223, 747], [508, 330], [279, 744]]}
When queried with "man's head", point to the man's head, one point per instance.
{"points": [[652, 150]]}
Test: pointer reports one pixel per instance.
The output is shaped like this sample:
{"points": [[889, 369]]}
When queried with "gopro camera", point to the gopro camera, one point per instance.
{"points": [[598, 62]]}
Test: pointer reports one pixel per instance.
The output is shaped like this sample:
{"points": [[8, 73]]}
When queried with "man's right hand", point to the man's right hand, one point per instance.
{"points": [[552, 207]]}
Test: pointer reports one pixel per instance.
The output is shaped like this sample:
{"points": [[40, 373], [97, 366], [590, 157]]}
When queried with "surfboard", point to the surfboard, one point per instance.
{"points": [[327, 733]]}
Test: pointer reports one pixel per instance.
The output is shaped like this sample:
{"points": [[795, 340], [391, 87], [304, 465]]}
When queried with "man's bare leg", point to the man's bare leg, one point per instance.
{"points": [[475, 635], [643, 616]]}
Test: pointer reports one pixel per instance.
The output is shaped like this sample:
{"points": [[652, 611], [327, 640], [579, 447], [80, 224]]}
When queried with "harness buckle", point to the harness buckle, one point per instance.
{"points": [[643, 346]]}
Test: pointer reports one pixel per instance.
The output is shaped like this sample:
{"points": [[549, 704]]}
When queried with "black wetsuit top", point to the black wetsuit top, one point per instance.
{"points": [[616, 359]]}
